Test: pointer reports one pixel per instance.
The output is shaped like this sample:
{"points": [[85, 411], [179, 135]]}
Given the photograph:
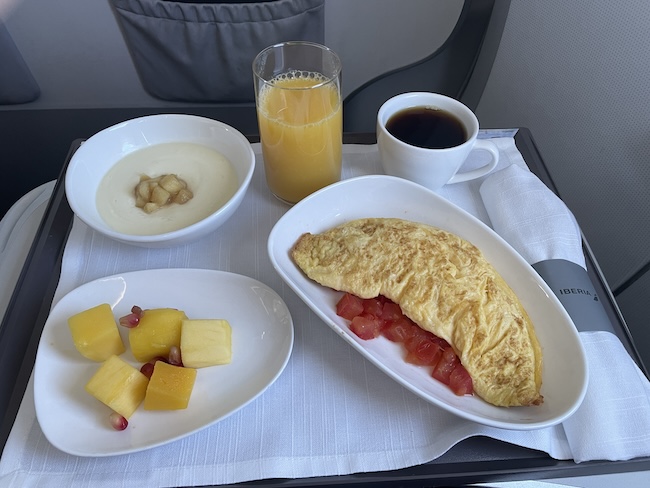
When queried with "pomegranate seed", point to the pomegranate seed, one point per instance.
{"points": [[131, 320], [118, 422], [175, 356], [147, 369]]}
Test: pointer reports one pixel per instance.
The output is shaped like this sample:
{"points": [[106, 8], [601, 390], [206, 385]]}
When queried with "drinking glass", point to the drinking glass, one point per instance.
{"points": [[298, 100]]}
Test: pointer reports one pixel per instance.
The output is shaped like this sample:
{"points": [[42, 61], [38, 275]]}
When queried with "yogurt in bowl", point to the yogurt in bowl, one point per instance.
{"points": [[214, 160]]}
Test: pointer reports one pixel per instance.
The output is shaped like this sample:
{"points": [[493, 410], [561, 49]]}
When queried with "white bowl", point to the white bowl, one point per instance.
{"points": [[97, 155]]}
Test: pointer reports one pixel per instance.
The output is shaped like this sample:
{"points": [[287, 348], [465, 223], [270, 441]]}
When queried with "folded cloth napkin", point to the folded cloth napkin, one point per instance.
{"points": [[613, 421], [530, 217]]}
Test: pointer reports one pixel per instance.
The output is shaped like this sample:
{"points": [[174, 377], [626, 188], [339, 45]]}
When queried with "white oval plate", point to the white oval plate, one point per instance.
{"points": [[565, 367], [262, 340]]}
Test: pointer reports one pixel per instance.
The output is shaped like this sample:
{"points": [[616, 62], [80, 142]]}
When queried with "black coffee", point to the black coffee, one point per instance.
{"points": [[427, 127]]}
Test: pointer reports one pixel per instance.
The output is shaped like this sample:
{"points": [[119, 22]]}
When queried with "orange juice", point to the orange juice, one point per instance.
{"points": [[301, 130]]}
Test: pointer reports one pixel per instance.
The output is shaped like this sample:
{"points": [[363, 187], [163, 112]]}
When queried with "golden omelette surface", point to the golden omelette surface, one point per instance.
{"points": [[444, 284]]}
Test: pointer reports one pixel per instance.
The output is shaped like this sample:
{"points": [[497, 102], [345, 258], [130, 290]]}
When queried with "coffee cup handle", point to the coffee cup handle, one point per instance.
{"points": [[480, 145]]}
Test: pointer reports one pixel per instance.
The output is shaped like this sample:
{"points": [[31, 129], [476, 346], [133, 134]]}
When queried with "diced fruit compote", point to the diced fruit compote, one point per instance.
{"points": [[170, 387], [164, 339], [157, 331], [95, 333], [372, 317], [206, 342], [119, 386]]}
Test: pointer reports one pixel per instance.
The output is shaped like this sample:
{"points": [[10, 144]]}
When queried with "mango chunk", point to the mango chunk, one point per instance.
{"points": [[206, 342], [95, 333], [119, 386], [159, 329], [170, 387]]}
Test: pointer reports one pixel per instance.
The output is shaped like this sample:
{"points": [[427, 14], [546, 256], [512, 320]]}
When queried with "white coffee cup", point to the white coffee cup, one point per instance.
{"points": [[431, 167]]}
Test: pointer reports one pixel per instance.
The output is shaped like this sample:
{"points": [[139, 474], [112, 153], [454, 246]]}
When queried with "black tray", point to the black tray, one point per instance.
{"points": [[473, 460]]}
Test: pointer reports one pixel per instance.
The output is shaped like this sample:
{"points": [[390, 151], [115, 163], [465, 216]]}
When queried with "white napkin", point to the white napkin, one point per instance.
{"points": [[330, 412], [613, 421], [530, 217]]}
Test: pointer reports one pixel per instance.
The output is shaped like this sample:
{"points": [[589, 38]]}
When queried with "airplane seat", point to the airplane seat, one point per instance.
{"points": [[459, 68]]}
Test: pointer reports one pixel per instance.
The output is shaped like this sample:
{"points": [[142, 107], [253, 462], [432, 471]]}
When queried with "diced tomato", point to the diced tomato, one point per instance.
{"points": [[445, 366], [380, 316], [372, 306], [398, 330], [416, 333], [349, 306], [441, 342], [423, 352], [391, 311], [460, 381], [366, 326]]}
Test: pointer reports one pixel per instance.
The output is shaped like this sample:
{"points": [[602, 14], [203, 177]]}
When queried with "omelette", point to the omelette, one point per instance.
{"points": [[446, 286]]}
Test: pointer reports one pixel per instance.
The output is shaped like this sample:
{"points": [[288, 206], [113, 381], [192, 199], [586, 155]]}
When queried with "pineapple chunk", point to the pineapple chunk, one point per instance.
{"points": [[95, 333], [119, 386], [159, 329], [206, 342], [170, 387]]}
